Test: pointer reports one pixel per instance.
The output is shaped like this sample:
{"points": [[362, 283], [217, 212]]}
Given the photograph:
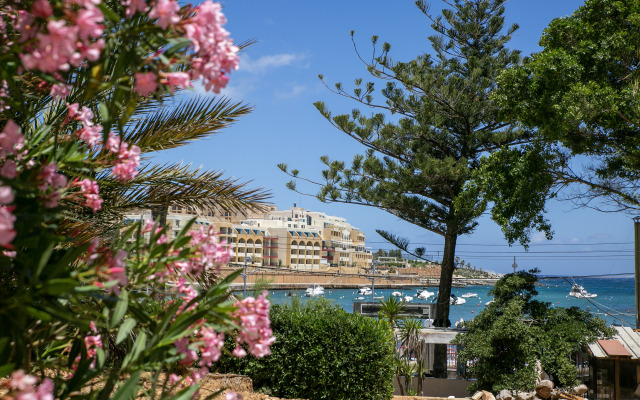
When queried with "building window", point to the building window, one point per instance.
{"points": [[177, 222]]}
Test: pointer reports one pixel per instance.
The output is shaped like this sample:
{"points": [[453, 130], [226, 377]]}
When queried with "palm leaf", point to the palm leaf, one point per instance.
{"points": [[168, 127]]}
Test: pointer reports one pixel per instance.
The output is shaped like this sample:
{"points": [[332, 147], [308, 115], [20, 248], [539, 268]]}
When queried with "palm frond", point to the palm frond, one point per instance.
{"points": [[178, 184], [168, 127]]}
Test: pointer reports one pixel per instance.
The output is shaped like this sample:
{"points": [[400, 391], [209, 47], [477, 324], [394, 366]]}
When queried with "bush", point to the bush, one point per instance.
{"points": [[323, 352]]}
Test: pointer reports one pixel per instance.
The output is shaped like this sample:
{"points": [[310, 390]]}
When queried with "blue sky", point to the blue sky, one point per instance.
{"points": [[296, 41]]}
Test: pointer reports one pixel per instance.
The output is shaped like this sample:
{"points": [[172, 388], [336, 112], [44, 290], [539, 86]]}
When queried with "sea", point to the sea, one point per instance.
{"points": [[615, 301]]}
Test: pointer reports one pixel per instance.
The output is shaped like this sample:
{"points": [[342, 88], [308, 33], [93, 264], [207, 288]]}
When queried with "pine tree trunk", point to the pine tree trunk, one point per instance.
{"points": [[442, 307]]}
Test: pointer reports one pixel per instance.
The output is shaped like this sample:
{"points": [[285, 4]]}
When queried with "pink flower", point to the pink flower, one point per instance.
{"points": [[128, 162], [117, 271], [210, 351], [167, 13], [113, 143], [146, 83], [7, 233], [174, 79], [50, 178], [190, 355], [23, 387], [9, 169], [134, 6], [6, 195], [60, 91], [238, 352], [41, 8], [90, 191], [11, 139], [88, 22], [253, 317], [92, 135]]}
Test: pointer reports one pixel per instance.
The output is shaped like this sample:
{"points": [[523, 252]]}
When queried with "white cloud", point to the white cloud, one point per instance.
{"points": [[575, 240], [264, 63], [538, 237], [293, 92]]}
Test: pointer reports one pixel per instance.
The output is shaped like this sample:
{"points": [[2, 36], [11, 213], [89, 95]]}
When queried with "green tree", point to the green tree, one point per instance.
{"points": [[425, 142], [504, 342], [581, 90], [381, 253], [395, 253]]}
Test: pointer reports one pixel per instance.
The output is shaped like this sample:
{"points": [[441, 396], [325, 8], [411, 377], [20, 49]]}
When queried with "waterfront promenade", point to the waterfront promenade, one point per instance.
{"points": [[301, 279]]}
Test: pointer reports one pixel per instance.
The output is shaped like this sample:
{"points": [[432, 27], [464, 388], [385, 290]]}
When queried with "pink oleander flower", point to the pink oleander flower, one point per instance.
{"points": [[253, 317], [210, 351], [128, 161], [134, 6], [215, 55], [113, 143], [60, 91], [175, 79], [9, 169], [91, 192], [41, 8], [6, 195], [117, 271], [239, 352], [7, 233], [23, 387], [11, 139], [146, 83], [190, 355], [91, 135], [88, 22], [51, 181], [166, 11]]}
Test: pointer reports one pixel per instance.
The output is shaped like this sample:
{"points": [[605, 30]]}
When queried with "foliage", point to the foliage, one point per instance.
{"points": [[582, 90], [506, 339], [323, 352], [79, 81], [427, 140]]}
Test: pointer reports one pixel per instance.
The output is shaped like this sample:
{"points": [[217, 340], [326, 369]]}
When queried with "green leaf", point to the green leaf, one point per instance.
{"points": [[57, 287], [138, 347], [121, 308], [129, 389], [125, 328], [109, 13]]}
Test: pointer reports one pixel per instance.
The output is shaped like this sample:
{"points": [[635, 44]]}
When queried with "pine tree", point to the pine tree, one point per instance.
{"points": [[425, 141]]}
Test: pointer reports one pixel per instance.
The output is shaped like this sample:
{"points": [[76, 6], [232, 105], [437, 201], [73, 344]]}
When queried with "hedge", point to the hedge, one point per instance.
{"points": [[322, 352]]}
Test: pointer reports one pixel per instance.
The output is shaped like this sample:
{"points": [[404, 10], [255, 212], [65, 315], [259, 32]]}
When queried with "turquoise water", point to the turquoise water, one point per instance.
{"points": [[615, 302]]}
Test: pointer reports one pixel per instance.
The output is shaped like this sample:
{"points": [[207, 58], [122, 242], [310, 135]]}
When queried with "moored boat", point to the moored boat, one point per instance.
{"points": [[315, 290], [579, 292], [455, 300], [396, 294], [469, 295], [424, 294], [365, 291]]}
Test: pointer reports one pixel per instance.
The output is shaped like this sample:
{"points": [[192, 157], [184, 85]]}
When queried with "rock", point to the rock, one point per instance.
{"points": [[580, 389], [525, 395], [477, 396], [504, 395], [487, 395], [544, 388]]}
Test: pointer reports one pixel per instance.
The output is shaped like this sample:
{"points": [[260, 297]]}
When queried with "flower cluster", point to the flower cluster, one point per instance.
{"points": [[23, 387], [253, 317], [7, 231], [53, 45], [109, 267], [11, 150], [91, 344], [128, 158], [89, 133], [50, 183], [91, 193]]}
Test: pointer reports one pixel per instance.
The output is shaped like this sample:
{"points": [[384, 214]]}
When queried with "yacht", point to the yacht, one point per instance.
{"points": [[364, 291], [396, 294], [407, 299], [579, 292], [469, 295], [314, 291], [424, 294], [454, 300]]}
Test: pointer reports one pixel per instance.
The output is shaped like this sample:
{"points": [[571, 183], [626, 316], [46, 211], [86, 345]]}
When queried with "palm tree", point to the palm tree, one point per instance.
{"points": [[391, 309]]}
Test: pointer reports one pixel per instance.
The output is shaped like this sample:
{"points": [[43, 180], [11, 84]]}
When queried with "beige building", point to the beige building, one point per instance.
{"points": [[295, 238]]}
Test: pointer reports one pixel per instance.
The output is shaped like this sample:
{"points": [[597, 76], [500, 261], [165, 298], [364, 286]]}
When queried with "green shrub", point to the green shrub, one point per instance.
{"points": [[322, 352]]}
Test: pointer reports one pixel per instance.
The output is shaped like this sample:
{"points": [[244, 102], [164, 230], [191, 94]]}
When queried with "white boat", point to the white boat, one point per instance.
{"points": [[407, 299], [579, 292], [314, 291], [454, 300], [396, 294], [488, 302], [364, 291], [469, 295], [424, 294]]}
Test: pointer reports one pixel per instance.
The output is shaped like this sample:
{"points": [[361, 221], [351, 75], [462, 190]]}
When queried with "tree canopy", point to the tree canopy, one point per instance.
{"points": [[581, 91], [506, 339]]}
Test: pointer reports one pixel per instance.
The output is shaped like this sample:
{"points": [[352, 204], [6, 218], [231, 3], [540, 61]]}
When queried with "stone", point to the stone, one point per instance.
{"points": [[504, 395], [477, 396], [544, 388], [580, 389], [487, 395]]}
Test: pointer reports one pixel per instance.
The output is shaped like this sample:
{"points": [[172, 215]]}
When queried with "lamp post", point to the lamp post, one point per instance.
{"points": [[373, 277], [636, 230], [244, 275]]}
